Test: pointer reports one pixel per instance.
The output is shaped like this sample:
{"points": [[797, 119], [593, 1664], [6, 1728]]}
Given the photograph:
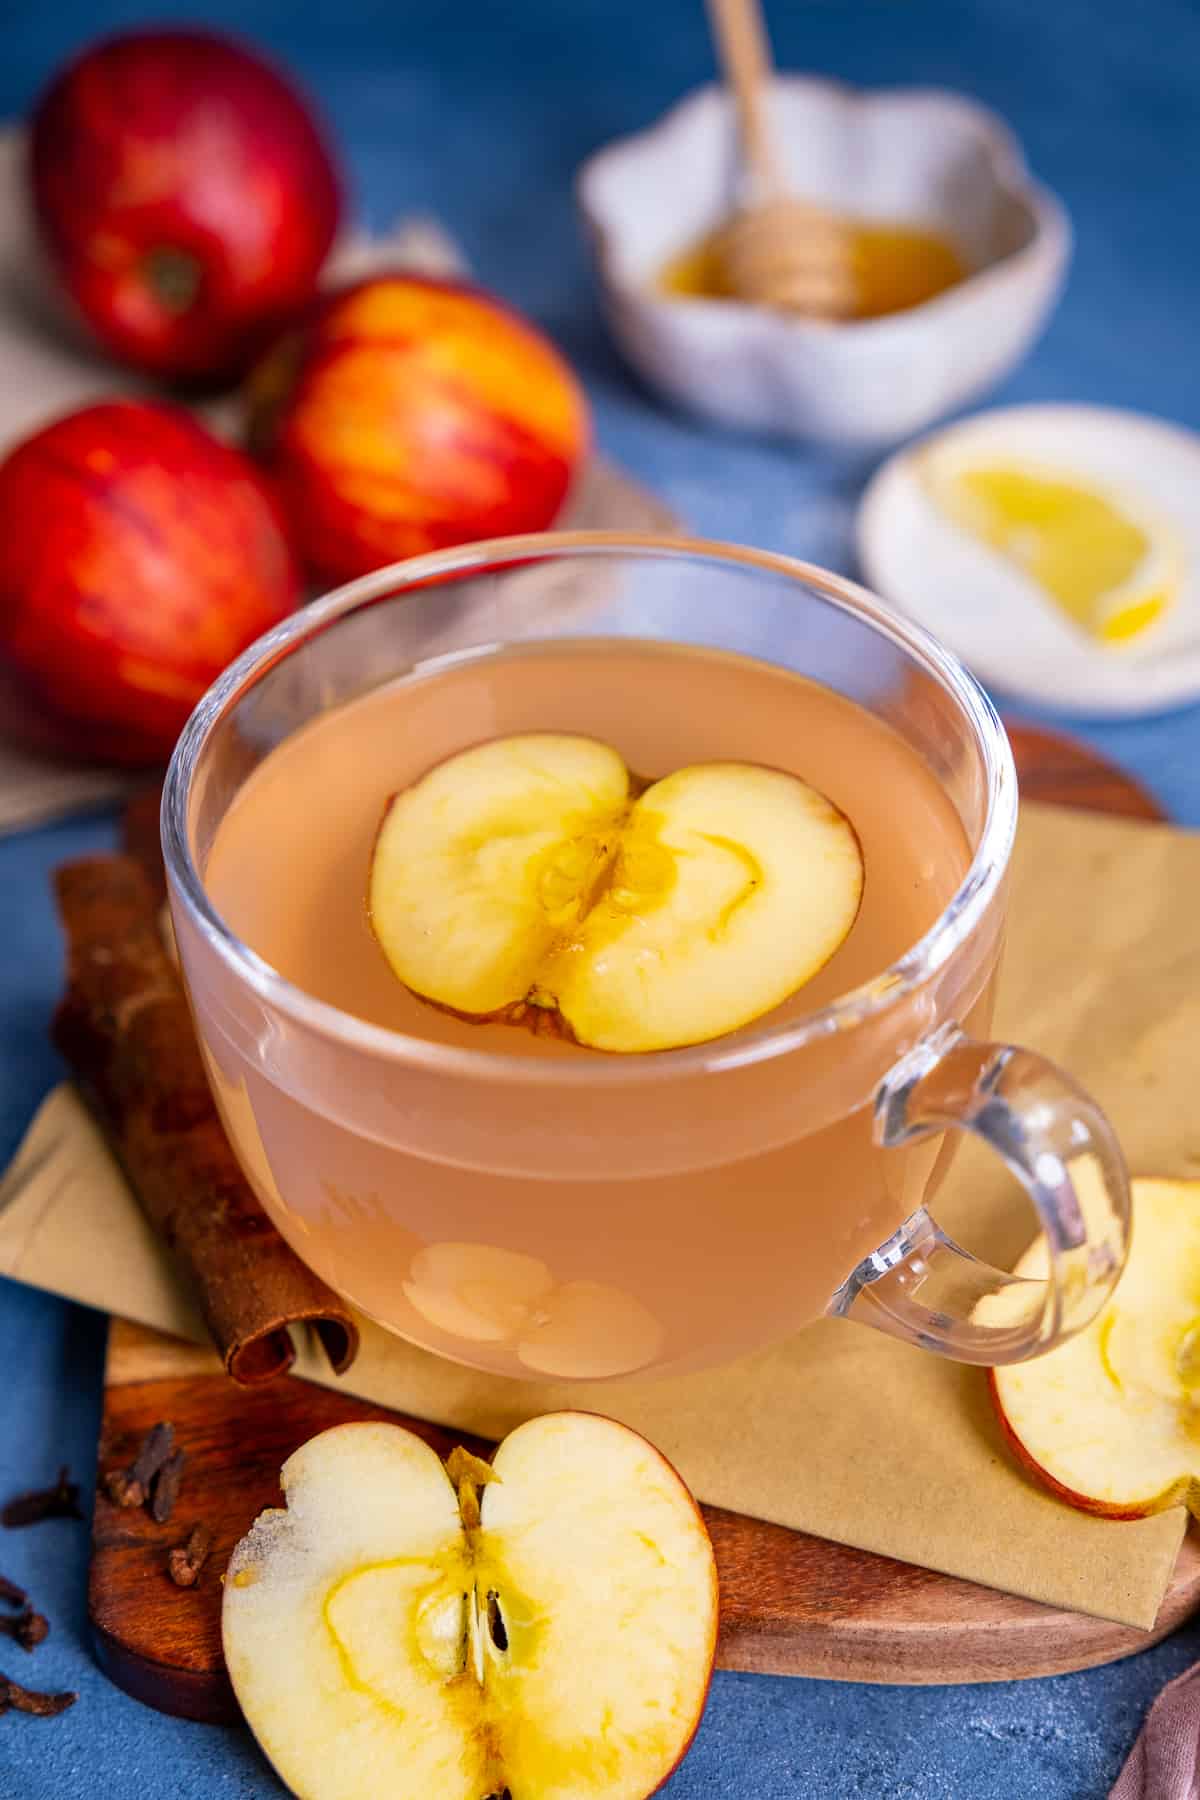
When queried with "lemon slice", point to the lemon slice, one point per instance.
{"points": [[1113, 574]]}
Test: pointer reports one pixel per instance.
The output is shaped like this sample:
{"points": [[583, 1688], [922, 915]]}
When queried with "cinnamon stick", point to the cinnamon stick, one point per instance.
{"points": [[140, 836], [125, 1028]]}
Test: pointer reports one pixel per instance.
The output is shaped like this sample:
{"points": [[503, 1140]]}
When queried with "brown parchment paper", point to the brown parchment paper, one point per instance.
{"points": [[841, 1431]]}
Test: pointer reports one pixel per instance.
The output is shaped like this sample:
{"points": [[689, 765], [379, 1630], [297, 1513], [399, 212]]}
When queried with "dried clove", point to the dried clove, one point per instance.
{"points": [[185, 1562], [28, 1628], [166, 1487], [11, 1594], [130, 1487], [41, 1706], [58, 1502]]}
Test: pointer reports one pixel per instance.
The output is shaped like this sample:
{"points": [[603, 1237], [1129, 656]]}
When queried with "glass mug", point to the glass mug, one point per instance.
{"points": [[588, 1215]]}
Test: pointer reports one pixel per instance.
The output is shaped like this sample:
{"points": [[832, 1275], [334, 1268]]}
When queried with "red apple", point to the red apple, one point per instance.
{"points": [[138, 555], [406, 414], [185, 196]]}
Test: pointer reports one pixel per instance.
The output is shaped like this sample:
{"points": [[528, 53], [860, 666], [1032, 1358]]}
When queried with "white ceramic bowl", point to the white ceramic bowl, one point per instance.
{"points": [[917, 155]]}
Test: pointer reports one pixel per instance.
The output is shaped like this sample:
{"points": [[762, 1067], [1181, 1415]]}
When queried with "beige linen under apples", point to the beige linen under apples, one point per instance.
{"points": [[840, 1431], [47, 370]]}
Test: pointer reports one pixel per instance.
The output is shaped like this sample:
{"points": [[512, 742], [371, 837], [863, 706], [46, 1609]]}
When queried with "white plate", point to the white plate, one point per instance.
{"points": [[996, 620]]}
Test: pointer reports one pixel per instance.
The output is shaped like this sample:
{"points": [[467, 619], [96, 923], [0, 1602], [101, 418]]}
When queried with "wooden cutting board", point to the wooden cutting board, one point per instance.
{"points": [[790, 1603]]}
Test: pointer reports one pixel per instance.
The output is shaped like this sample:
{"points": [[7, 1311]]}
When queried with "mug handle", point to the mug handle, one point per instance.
{"points": [[923, 1287]]}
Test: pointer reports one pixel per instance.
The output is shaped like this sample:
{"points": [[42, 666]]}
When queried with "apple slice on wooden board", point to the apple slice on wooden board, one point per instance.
{"points": [[541, 1628], [1110, 1421], [523, 879]]}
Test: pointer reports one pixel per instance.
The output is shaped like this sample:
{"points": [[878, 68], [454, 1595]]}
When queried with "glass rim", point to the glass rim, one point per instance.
{"points": [[931, 952]]}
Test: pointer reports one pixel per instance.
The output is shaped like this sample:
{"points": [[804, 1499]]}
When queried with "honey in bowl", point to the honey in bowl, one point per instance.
{"points": [[894, 266]]}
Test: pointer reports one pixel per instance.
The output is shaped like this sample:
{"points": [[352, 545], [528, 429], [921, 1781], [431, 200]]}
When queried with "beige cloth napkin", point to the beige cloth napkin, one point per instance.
{"points": [[46, 369], [841, 1431]]}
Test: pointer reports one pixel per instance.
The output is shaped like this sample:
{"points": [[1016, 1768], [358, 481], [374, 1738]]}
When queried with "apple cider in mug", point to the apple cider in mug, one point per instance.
{"points": [[603, 854]]}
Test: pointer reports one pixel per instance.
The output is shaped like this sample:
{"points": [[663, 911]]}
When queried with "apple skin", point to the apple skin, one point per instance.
{"points": [[1184, 1492], [406, 414], [185, 197], [138, 556]]}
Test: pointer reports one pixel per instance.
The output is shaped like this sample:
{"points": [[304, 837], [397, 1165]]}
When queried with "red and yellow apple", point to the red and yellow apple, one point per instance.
{"points": [[542, 1627], [1110, 1421], [526, 879], [186, 198], [138, 556], [407, 414]]}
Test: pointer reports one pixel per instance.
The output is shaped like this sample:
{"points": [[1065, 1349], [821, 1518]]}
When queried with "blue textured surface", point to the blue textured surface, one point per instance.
{"points": [[481, 112]]}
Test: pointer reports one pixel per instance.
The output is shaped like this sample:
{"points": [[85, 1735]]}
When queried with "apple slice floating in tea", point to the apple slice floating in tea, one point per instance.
{"points": [[542, 1628], [524, 877]]}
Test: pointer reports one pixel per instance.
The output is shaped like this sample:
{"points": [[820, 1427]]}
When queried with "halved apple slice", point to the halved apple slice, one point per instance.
{"points": [[546, 1632], [1110, 1421], [521, 875]]}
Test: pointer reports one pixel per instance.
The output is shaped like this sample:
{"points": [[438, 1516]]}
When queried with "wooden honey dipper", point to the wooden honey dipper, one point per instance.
{"points": [[777, 250]]}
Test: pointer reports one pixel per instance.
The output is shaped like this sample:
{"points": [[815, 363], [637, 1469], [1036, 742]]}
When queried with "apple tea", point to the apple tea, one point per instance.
{"points": [[597, 852]]}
